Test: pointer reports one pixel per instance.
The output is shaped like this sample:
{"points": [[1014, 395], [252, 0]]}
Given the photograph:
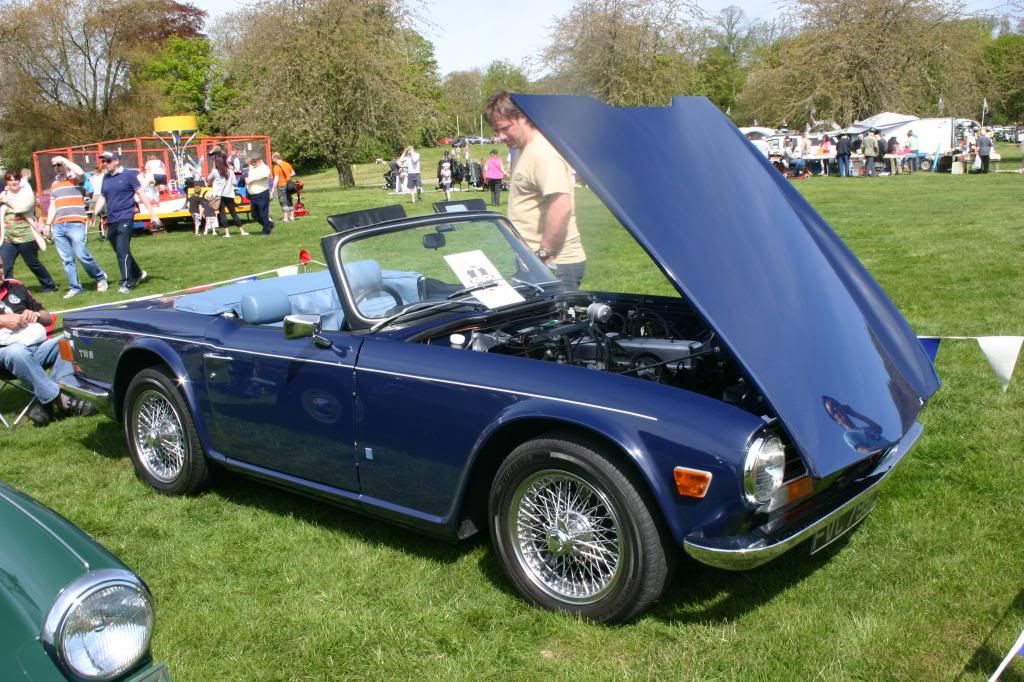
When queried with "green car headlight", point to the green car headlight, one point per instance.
{"points": [[763, 469], [100, 625]]}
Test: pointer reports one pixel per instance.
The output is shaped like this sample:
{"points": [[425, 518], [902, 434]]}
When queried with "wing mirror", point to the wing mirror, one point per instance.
{"points": [[303, 326]]}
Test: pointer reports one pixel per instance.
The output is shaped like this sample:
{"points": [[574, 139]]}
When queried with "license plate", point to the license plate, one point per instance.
{"points": [[841, 524]]}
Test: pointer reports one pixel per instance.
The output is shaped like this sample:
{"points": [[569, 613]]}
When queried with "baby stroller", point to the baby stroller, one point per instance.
{"points": [[299, 208], [389, 179]]}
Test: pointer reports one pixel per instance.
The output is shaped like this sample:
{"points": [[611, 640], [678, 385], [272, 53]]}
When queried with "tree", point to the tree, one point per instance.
{"points": [[848, 59], [182, 70], [1004, 58], [625, 52], [65, 70], [723, 69], [363, 85], [461, 99]]}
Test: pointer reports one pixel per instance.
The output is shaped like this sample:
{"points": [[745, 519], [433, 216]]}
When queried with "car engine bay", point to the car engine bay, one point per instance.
{"points": [[665, 342]]}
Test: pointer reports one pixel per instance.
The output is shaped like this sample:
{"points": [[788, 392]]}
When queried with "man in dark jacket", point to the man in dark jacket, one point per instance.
{"points": [[843, 155]]}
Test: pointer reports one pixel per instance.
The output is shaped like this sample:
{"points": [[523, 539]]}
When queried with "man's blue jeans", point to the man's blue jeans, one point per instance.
{"points": [[29, 364], [844, 165], [70, 240]]}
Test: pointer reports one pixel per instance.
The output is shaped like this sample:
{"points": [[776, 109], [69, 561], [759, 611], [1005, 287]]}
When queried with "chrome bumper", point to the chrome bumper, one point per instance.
{"points": [[742, 552], [89, 392]]}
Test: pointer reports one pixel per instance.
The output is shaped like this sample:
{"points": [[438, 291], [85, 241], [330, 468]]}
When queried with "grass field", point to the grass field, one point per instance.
{"points": [[255, 584]]}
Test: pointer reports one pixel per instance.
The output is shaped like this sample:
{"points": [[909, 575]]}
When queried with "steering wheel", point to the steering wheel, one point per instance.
{"points": [[376, 290]]}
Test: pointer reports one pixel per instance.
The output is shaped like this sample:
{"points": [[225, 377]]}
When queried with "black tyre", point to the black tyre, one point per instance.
{"points": [[926, 164], [161, 436], [575, 532]]}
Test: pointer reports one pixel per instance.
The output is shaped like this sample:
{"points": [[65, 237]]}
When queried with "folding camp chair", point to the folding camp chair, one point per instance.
{"points": [[8, 384], [11, 384]]}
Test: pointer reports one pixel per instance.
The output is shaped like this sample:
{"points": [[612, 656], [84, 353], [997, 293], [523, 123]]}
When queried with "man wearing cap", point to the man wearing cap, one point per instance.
{"points": [[117, 194], [257, 184], [18, 309], [66, 220], [541, 203]]}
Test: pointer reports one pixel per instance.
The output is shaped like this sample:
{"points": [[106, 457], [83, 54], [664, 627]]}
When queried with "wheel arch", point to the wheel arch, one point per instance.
{"points": [[496, 445], [146, 353]]}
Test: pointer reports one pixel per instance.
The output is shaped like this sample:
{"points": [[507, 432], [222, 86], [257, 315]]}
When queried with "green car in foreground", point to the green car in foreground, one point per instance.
{"points": [[68, 608]]}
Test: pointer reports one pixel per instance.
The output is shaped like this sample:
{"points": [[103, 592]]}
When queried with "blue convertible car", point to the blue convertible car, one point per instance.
{"points": [[437, 375]]}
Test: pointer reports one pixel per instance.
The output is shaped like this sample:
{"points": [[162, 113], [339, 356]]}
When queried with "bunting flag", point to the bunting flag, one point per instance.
{"points": [[1000, 351], [931, 346], [1017, 650], [288, 271]]}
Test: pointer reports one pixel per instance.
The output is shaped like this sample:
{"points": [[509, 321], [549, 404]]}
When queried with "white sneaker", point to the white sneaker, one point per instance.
{"points": [[124, 290], [102, 285], [72, 293], [142, 277]]}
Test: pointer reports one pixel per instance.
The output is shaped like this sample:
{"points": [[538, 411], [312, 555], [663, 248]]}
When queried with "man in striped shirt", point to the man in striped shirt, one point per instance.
{"points": [[67, 220]]}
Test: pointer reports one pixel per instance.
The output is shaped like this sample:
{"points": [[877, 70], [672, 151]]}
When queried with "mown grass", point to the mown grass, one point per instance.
{"points": [[256, 584]]}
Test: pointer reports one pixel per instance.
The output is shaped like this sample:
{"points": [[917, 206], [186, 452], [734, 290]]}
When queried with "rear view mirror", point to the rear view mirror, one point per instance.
{"points": [[433, 240]]}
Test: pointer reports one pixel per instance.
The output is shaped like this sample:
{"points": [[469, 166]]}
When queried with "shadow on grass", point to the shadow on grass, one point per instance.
{"points": [[241, 490], [986, 659], [703, 594], [107, 439]]}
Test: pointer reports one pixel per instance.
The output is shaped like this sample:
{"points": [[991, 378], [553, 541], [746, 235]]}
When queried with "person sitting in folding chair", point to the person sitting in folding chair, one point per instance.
{"points": [[19, 312]]}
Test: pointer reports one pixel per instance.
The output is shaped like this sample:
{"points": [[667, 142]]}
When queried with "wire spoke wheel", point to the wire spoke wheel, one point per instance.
{"points": [[159, 436], [566, 535]]}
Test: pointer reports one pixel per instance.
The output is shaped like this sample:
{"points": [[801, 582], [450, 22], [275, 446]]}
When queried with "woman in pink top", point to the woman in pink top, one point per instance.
{"points": [[494, 173]]}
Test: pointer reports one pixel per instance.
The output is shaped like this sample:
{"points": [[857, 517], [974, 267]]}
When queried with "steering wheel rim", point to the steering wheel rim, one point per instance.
{"points": [[375, 289]]}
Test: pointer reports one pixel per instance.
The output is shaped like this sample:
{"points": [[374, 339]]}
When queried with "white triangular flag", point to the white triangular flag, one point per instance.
{"points": [[288, 271], [1001, 353]]}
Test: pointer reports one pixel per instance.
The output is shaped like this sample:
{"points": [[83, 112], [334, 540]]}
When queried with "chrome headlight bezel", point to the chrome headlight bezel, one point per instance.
{"points": [[72, 598], [766, 455]]}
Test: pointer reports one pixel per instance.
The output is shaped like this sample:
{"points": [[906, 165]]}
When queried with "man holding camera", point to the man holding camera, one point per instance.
{"points": [[66, 223]]}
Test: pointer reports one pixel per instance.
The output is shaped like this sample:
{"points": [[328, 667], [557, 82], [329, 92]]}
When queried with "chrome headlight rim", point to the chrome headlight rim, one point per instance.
{"points": [[760, 444], [72, 597]]}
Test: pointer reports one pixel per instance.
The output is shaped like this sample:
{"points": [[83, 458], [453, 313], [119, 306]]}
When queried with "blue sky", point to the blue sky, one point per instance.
{"points": [[468, 34]]}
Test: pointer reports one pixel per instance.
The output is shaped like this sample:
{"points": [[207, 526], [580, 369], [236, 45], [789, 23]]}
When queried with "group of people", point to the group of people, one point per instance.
{"points": [[66, 223], [797, 156], [210, 209], [404, 174], [118, 193]]}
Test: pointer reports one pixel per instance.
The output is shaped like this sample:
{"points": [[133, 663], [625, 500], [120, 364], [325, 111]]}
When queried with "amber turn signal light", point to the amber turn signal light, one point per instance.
{"points": [[65, 350], [692, 482]]}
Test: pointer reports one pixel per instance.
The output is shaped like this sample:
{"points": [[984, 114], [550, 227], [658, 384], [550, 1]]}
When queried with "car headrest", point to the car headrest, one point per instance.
{"points": [[362, 275], [265, 307]]}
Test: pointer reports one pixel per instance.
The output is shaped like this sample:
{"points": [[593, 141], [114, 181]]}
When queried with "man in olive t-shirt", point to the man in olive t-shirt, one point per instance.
{"points": [[541, 203]]}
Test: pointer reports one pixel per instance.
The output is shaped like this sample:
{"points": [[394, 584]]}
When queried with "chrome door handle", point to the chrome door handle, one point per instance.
{"points": [[214, 356]]}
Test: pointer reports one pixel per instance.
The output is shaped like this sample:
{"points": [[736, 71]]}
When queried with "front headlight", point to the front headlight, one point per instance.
{"points": [[100, 625], [763, 469]]}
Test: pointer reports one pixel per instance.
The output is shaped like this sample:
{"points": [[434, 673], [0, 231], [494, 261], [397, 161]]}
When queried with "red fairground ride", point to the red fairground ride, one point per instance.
{"points": [[176, 143]]}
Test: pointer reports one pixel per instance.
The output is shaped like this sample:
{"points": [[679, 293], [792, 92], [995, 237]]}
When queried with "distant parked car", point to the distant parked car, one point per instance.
{"points": [[68, 607], [446, 140], [438, 374], [476, 139]]}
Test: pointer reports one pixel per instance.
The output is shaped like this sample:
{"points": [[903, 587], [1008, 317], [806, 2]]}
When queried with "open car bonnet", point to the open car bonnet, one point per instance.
{"points": [[819, 337]]}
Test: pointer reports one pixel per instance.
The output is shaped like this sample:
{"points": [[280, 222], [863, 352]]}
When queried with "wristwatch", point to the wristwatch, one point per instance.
{"points": [[542, 253]]}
